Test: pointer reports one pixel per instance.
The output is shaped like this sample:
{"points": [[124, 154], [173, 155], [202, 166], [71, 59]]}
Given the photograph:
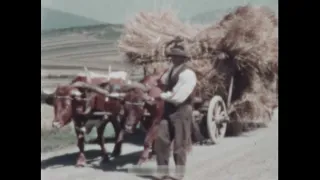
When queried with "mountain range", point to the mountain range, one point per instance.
{"points": [[55, 22], [55, 19]]}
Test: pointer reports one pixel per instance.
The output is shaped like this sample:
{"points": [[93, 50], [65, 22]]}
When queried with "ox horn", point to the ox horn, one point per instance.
{"points": [[88, 75], [109, 72]]}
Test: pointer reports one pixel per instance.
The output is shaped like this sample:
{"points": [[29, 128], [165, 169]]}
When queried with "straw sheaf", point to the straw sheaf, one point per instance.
{"points": [[244, 44], [251, 38], [145, 37]]}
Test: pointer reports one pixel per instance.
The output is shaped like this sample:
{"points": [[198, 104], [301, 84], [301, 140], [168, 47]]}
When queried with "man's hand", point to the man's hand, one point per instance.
{"points": [[165, 95], [149, 100], [146, 97]]}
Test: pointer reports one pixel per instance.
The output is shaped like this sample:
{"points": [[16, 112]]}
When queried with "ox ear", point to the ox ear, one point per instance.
{"points": [[47, 98], [88, 75]]}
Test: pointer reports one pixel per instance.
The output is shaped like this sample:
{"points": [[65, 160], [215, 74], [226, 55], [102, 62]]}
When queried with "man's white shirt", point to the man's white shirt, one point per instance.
{"points": [[181, 91]]}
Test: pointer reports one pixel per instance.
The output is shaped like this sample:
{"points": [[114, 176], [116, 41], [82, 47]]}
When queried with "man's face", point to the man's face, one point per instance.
{"points": [[177, 60]]}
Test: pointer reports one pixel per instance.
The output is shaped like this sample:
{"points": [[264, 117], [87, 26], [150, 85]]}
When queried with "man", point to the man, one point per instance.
{"points": [[180, 82]]}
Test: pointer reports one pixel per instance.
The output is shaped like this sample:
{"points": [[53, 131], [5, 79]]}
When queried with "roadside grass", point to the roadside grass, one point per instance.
{"points": [[53, 140], [56, 140]]}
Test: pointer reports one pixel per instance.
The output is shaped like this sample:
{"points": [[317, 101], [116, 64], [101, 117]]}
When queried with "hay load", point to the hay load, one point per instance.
{"points": [[147, 35], [243, 45]]}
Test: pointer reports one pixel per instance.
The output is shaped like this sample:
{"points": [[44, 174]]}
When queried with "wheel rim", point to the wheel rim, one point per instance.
{"points": [[216, 113], [219, 127]]}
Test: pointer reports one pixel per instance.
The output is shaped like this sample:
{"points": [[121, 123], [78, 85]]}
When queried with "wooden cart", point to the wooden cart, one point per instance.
{"points": [[212, 116]]}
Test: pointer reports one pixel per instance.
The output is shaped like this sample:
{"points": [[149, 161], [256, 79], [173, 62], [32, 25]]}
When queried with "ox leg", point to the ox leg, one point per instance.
{"points": [[118, 146], [100, 130], [149, 143], [119, 138], [153, 152], [81, 161]]}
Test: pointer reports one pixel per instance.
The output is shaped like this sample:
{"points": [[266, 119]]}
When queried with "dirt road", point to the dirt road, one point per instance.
{"points": [[252, 156]]}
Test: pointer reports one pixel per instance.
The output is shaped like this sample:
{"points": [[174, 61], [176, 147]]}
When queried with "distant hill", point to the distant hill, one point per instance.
{"points": [[55, 19], [100, 31], [210, 16], [216, 15]]}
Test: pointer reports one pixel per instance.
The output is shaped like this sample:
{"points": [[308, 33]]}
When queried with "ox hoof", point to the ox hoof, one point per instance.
{"points": [[115, 153], [142, 160], [152, 155], [105, 159], [81, 163], [144, 157], [202, 143]]}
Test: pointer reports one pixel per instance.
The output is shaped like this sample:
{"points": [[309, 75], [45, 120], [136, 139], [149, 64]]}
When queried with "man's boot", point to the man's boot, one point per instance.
{"points": [[163, 173]]}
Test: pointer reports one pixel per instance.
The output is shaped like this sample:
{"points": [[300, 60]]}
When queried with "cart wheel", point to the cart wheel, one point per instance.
{"points": [[216, 119]]}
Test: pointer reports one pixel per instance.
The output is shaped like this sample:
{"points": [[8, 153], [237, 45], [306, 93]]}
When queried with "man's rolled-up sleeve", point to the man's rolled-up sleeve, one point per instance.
{"points": [[182, 90]]}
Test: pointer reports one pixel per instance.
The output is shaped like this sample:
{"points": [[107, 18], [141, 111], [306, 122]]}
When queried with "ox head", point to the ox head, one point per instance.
{"points": [[134, 108], [134, 105], [63, 103]]}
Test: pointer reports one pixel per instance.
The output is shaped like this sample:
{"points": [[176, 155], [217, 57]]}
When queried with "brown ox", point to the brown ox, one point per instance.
{"points": [[138, 110], [70, 102], [149, 114]]}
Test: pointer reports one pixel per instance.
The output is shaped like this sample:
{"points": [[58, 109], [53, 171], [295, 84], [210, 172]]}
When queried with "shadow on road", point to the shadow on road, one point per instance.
{"points": [[113, 165], [136, 139], [91, 155], [128, 159], [70, 158]]}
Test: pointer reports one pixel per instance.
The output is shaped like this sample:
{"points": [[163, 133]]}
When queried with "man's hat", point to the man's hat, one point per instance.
{"points": [[177, 51]]}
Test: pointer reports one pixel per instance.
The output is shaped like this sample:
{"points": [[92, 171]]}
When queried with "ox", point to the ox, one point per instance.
{"points": [[80, 105], [137, 109], [149, 114]]}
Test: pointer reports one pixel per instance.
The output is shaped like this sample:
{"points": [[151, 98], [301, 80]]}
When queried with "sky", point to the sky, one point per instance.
{"points": [[118, 11]]}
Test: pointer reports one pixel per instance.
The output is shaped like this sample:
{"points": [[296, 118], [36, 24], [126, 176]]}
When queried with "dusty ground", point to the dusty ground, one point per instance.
{"points": [[252, 156]]}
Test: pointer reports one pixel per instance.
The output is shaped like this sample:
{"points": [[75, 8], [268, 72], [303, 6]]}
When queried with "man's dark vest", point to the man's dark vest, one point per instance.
{"points": [[173, 79]]}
